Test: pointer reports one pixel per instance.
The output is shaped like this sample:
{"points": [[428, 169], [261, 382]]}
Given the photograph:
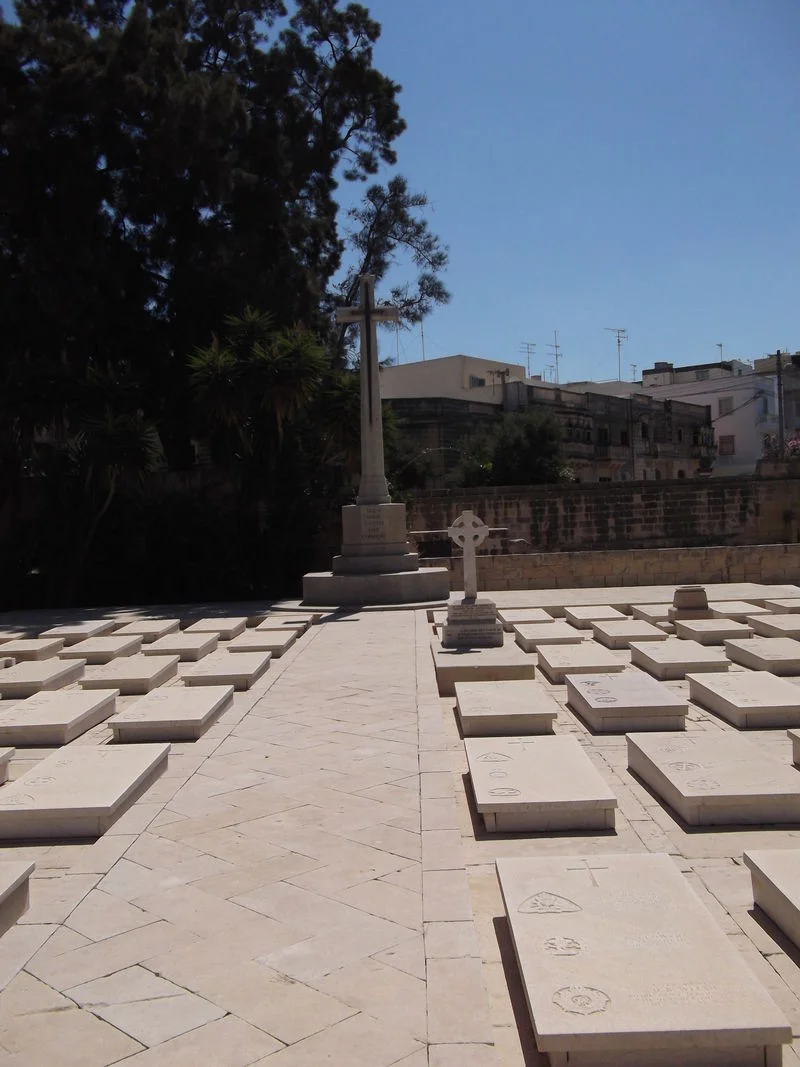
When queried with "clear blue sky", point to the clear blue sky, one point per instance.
{"points": [[594, 163]]}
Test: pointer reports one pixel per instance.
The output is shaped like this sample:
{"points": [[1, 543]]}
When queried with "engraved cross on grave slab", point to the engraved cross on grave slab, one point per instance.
{"points": [[372, 488]]}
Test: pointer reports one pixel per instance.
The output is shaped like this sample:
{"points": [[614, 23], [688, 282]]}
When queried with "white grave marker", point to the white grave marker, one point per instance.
{"points": [[775, 875], [715, 779], [222, 668], [754, 699], [531, 636], [187, 647], [786, 625], [537, 784], [26, 649], [615, 703], [494, 709], [79, 631], [557, 661], [149, 629], [583, 617], [511, 617], [226, 628], [623, 966], [275, 641], [55, 718], [102, 649], [669, 661], [78, 791], [780, 655], [35, 676], [711, 631], [175, 713], [132, 675], [14, 877], [620, 633], [6, 755]]}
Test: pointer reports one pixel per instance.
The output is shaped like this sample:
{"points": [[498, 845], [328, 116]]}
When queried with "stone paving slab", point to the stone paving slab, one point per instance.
{"points": [[55, 718]]}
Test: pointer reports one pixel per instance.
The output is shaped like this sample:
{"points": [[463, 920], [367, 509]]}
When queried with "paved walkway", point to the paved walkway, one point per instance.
{"points": [[308, 885]]}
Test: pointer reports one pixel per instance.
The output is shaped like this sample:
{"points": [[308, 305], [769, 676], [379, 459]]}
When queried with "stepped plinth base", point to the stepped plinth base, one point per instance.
{"points": [[472, 624], [391, 564], [326, 589]]}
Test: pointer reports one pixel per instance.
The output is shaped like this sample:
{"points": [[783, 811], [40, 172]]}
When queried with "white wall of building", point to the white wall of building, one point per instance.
{"points": [[454, 377]]}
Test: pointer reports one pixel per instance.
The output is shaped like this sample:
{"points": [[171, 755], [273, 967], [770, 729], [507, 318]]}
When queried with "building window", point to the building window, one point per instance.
{"points": [[645, 432], [603, 478], [623, 438], [727, 445], [475, 382], [725, 405], [602, 436], [658, 476], [702, 376], [680, 435], [681, 474]]}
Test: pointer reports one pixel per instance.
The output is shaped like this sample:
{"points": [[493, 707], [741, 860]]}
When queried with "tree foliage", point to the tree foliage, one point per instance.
{"points": [[524, 449], [167, 167]]}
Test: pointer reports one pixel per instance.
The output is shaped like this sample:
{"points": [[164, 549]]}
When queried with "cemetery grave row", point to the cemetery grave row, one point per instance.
{"points": [[620, 961]]}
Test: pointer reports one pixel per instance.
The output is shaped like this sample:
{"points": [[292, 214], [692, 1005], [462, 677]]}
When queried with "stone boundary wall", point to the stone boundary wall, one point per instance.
{"points": [[609, 515], [768, 564]]}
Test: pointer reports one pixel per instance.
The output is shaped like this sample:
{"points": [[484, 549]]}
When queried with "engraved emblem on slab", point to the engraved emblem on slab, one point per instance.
{"points": [[498, 774], [684, 765], [562, 946], [493, 757], [547, 904], [581, 999], [703, 783], [504, 792]]}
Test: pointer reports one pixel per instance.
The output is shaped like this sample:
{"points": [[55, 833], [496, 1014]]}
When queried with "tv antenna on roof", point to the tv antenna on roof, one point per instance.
{"points": [[556, 347], [622, 335], [526, 348]]}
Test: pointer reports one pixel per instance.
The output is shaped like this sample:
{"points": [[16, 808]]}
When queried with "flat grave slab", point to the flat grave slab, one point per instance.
{"points": [[102, 649], [651, 612], [225, 627], [78, 791], [511, 617], [275, 641], [783, 605], [537, 784], [286, 622], [619, 634], [6, 755], [754, 699], [187, 647], [176, 713], [35, 676], [149, 629], [615, 703], [779, 655], [623, 965], [495, 709], [711, 631], [55, 718], [14, 896], [133, 675], [670, 660], [221, 668], [72, 632], [505, 663], [11, 635], [583, 616], [787, 625], [529, 636], [557, 661], [775, 875], [735, 609], [715, 779], [33, 648], [794, 737]]}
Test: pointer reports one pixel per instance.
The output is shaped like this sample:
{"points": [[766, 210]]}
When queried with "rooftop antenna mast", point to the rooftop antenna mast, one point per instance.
{"points": [[719, 346], [622, 335], [633, 371], [526, 348], [556, 347]]}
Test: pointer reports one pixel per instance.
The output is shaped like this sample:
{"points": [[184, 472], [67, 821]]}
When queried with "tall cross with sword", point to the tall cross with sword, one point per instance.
{"points": [[373, 488]]}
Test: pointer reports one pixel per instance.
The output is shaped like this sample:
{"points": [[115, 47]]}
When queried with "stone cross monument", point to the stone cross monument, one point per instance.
{"points": [[373, 488], [473, 623], [376, 565]]}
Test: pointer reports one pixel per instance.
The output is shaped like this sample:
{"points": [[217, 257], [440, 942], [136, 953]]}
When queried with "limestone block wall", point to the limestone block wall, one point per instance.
{"points": [[771, 564], [744, 511]]}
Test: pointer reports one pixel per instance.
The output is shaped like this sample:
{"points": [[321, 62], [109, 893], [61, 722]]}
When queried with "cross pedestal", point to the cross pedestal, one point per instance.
{"points": [[376, 565], [473, 623]]}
